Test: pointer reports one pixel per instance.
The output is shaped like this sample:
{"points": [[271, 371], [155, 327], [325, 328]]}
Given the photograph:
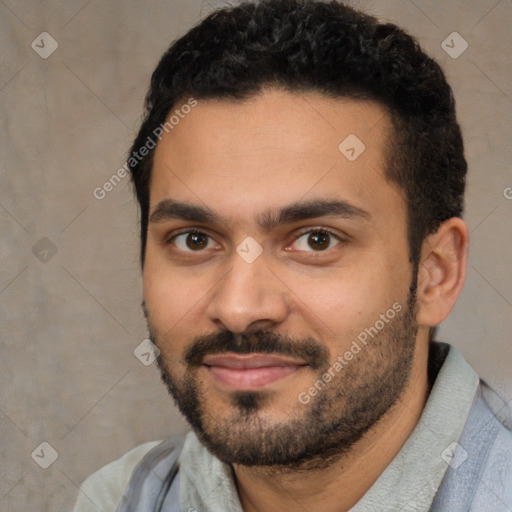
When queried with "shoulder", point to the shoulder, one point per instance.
{"points": [[104, 489], [489, 434]]}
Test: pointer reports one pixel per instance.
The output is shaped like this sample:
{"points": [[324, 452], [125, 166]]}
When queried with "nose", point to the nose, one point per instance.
{"points": [[249, 296]]}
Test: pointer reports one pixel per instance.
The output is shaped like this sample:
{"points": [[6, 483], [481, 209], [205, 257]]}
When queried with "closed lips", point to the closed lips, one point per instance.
{"points": [[242, 361], [249, 371]]}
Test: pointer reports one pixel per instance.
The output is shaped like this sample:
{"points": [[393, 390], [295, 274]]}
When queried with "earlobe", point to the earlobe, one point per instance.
{"points": [[442, 271]]}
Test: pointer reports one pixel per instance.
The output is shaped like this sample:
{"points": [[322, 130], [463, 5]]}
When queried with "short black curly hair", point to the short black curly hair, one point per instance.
{"points": [[331, 48]]}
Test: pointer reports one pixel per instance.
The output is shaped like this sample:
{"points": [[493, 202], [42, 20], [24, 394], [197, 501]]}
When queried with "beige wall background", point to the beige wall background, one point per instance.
{"points": [[70, 286]]}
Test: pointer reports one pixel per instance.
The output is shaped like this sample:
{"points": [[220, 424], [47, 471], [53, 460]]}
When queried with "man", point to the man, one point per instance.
{"points": [[301, 238]]}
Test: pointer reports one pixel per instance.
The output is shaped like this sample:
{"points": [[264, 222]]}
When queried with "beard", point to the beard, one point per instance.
{"points": [[313, 435]]}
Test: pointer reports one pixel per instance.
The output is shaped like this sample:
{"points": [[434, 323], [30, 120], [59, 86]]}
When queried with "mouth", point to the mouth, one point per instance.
{"points": [[245, 372]]}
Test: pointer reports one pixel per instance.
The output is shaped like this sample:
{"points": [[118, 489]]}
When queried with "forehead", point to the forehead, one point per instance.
{"points": [[240, 158]]}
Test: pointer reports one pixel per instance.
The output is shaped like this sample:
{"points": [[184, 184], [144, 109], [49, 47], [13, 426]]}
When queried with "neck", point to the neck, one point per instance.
{"points": [[342, 484]]}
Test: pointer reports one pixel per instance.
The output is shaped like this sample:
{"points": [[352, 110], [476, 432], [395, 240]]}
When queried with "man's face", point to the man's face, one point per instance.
{"points": [[277, 283]]}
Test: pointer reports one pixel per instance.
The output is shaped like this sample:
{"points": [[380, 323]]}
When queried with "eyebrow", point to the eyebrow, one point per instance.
{"points": [[295, 212]]}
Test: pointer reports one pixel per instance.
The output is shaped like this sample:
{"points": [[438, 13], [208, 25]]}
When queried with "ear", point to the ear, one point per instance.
{"points": [[442, 271]]}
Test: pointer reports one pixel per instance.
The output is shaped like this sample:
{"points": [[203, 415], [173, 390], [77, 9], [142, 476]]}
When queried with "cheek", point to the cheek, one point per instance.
{"points": [[169, 299], [344, 303], [330, 305]]}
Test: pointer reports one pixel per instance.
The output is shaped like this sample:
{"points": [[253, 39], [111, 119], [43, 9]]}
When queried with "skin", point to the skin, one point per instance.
{"points": [[240, 159]]}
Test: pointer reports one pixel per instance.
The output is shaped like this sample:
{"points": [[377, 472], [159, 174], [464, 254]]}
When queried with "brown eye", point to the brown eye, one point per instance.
{"points": [[319, 241], [316, 241], [193, 241], [196, 241]]}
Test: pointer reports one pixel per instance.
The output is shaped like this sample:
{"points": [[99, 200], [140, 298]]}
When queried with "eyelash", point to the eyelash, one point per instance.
{"points": [[323, 231]]}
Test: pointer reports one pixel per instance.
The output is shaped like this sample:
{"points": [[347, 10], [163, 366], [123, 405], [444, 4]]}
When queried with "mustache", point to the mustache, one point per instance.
{"points": [[257, 341]]}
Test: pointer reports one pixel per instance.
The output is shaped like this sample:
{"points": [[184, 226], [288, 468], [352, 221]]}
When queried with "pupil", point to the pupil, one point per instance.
{"points": [[319, 240], [196, 241]]}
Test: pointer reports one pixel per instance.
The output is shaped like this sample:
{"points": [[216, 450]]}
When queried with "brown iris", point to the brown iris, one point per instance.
{"points": [[319, 241], [196, 241]]}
